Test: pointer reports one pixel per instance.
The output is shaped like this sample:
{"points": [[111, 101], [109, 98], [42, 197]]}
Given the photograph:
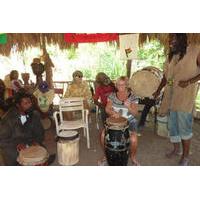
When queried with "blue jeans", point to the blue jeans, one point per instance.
{"points": [[180, 126]]}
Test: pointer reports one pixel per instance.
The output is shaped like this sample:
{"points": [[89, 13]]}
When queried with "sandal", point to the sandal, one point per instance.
{"points": [[184, 162]]}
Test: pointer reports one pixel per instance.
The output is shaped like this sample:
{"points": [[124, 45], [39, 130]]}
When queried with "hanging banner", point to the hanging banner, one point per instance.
{"points": [[128, 46], [87, 38], [3, 38]]}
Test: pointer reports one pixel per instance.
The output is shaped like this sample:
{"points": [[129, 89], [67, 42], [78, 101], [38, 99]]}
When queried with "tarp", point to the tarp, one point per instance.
{"points": [[87, 38]]}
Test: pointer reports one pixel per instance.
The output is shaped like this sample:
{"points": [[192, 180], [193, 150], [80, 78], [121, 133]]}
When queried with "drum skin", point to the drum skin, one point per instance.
{"points": [[33, 156], [117, 144], [145, 82]]}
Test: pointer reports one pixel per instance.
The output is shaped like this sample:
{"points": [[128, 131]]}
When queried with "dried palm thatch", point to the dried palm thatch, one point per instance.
{"points": [[193, 38], [22, 41]]}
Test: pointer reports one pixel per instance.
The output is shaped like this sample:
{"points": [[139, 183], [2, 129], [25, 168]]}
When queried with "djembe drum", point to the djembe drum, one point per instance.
{"points": [[33, 156], [117, 141], [68, 147], [145, 82]]}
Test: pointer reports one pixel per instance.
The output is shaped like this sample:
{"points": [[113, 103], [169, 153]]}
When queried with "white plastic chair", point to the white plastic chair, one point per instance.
{"points": [[72, 104]]}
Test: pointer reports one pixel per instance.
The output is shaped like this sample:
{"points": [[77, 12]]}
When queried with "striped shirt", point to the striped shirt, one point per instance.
{"points": [[119, 106]]}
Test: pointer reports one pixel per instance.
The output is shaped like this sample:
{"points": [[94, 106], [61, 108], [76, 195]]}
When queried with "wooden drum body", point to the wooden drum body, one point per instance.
{"points": [[145, 82], [68, 148], [117, 142]]}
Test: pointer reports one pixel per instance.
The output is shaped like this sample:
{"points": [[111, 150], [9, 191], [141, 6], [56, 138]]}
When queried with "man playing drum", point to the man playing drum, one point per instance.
{"points": [[123, 104], [20, 127], [181, 73]]}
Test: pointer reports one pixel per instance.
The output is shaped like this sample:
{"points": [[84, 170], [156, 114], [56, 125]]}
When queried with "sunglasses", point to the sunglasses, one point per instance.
{"points": [[79, 76]]}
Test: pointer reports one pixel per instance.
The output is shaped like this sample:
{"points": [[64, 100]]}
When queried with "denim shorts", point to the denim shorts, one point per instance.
{"points": [[180, 126]]}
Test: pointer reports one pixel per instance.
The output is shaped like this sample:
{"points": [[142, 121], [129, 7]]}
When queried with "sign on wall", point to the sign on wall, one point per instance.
{"points": [[128, 46]]}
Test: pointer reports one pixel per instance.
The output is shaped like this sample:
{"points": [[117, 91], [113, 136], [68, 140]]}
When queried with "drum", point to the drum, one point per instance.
{"points": [[68, 147], [117, 141], [145, 82], [33, 156]]}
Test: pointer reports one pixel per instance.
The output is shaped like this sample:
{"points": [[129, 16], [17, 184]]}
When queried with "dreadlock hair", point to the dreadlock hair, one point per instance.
{"points": [[182, 45]]}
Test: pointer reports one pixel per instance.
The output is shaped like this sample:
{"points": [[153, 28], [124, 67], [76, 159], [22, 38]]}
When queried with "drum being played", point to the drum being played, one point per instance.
{"points": [[146, 81], [33, 156], [68, 147], [117, 141]]}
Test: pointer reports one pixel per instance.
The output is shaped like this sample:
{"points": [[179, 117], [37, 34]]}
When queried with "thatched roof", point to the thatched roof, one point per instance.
{"points": [[193, 38], [25, 40]]}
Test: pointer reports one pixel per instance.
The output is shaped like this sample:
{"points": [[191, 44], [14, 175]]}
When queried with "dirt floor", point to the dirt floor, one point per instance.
{"points": [[151, 147]]}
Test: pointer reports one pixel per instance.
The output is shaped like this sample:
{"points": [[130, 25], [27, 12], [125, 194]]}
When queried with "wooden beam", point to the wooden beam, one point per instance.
{"points": [[128, 68]]}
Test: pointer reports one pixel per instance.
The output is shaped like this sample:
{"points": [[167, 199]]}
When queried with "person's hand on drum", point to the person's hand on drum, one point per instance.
{"points": [[116, 115], [127, 104], [20, 147]]}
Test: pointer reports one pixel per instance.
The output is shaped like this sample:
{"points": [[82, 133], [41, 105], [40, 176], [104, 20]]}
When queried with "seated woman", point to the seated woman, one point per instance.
{"points": [[123, 104], [79, 88]]}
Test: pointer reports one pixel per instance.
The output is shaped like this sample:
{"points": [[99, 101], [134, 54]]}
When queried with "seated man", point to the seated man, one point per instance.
{"points": [[19, 128]]}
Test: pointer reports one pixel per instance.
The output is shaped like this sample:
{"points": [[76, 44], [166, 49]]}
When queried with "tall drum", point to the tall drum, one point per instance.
{"points": [[145, 82], [68, 147], [117, 141]]}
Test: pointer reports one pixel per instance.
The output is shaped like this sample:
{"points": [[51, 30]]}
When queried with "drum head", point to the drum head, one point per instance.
{"points": [[120, 122], [33, 155], [68, 134], [145, 82]]}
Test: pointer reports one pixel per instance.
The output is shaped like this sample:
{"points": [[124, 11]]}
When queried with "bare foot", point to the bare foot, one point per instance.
{"points": [[172, 153], [184, 162], [102, 162], [135, 162]]}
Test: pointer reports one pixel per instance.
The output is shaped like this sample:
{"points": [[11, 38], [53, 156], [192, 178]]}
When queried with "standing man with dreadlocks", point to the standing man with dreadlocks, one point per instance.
{"points": [[181, 73]]}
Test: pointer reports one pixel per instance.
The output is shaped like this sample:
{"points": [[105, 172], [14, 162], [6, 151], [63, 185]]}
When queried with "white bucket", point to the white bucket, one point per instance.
{"points": [[162, 126]]}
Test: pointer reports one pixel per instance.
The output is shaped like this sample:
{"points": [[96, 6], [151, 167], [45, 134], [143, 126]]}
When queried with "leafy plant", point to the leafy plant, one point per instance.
{"points": [[151, 54]]}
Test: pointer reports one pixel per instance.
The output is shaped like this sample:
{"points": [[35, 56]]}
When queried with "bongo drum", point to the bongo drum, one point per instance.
{"points": [[68, 147], [117, 141], [145, 82], [33, 156]]}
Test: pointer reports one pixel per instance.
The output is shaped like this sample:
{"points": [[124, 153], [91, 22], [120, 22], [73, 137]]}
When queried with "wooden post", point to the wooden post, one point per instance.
{"points": [[128, 68], [47, 62]]}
